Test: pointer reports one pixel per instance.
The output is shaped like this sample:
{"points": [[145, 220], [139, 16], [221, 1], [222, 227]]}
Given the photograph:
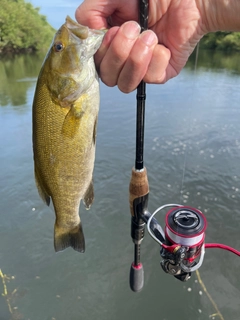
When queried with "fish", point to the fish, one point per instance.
{"points": [[64, 126]]}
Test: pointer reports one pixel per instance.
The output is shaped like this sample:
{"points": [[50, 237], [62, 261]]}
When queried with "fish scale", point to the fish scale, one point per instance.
{"points": [[65, 111]]}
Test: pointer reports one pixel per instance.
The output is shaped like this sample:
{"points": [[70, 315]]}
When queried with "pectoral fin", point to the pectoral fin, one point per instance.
{"points": [[40, 186], [73, 118], [89, 196], [71, 124]]}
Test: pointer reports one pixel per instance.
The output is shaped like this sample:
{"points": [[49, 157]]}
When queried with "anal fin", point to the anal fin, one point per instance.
{"points": [[95, 131], [89, 196]]}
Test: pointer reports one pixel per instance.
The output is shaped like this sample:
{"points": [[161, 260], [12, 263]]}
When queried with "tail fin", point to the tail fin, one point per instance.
{"points": [[64, 238]]}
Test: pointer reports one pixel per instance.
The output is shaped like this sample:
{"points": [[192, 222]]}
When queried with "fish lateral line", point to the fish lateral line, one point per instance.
{"points": [[65, 113]]}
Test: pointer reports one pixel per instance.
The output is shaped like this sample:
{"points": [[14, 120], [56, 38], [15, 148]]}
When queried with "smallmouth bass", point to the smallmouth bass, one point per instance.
{"points": [[65, 112]]}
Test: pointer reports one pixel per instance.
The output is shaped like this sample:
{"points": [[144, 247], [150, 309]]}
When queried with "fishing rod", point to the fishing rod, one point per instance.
{"points": [[182, 242], [139, 189]]}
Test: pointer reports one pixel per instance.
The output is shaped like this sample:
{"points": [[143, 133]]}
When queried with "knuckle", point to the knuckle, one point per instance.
{"points": [[125, 89], [155, 78], [107, 78]]}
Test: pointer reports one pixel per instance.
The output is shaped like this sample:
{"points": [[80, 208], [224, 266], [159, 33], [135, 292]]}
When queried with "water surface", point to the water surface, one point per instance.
{"points": [[192, 153]]}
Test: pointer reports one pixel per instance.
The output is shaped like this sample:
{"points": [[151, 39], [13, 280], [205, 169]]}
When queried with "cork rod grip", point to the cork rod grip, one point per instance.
{"points": [[138, 186]]}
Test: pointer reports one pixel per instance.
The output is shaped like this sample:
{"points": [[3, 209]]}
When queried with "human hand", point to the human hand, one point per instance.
{"points": [[158, 54]]}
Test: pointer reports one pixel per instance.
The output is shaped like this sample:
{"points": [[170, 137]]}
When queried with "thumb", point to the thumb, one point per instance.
{"points": [[94, 13]]}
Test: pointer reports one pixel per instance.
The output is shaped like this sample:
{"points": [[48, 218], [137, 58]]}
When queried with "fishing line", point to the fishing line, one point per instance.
{"points": [[218, 313], [189, 128], [183, 176]]}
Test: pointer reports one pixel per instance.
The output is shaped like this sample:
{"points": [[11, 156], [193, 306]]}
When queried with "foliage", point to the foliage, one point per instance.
{"points": [[22, 28], [227, 41]]}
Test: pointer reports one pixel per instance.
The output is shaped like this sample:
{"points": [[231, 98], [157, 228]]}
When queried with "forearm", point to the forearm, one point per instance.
{"points": [[220, 15]]}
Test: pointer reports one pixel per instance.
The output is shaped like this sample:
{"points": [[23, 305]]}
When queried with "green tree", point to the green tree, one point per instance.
{"points": [[22, 27], [226, 41]]}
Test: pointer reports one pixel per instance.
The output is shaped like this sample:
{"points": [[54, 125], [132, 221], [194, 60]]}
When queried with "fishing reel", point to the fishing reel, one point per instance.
{"points": [[182, 241], [183, 249]]}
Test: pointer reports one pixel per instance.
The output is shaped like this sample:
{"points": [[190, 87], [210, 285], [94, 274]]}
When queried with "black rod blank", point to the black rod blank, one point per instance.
{"points": [[141, 95]]}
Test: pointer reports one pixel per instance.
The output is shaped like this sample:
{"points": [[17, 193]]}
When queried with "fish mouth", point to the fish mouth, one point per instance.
{"points": [[78, 30]]}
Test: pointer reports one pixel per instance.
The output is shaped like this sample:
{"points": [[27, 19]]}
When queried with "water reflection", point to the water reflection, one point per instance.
{"points": [[215, 60], [17, 74]]}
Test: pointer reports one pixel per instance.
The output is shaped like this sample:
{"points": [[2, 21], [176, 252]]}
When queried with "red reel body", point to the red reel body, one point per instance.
{"points": [[186, 227], [183, 249]]}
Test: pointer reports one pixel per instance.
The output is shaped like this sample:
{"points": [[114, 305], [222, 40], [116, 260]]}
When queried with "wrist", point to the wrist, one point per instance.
{"points": [[219, 15]]}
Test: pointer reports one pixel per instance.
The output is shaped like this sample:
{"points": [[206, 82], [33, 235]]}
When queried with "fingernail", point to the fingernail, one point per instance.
{"points": [[149, 38], [131, 30]]}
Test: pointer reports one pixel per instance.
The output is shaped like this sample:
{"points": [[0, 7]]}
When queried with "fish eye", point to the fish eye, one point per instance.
{"points": [[58, 46]]}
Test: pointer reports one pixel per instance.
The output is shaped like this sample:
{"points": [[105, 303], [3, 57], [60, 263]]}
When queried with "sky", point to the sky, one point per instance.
{"points": [[56, 10]]}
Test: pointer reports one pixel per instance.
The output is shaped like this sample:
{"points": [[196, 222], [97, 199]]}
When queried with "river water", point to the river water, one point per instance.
{"points": [[192, 153]]}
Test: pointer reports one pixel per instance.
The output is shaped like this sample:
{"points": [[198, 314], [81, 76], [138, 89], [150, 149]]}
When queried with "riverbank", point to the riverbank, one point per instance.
{"points": [[23, 28], [223, 41]]}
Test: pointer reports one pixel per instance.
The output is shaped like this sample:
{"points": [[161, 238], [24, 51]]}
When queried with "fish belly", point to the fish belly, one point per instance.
{"points": [[64, 153]]}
